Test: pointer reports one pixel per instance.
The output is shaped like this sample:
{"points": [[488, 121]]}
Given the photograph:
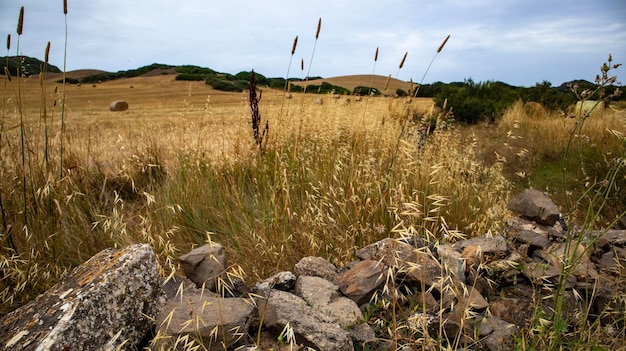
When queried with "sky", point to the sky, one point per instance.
{"points": [[519, 42]]}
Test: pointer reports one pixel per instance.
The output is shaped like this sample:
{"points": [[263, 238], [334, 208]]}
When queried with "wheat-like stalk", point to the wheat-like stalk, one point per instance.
{"points": [[443, 43], [63, 94]]}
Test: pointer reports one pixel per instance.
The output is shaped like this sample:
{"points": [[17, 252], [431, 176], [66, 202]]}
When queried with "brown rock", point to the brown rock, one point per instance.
{"points": [[205, 264], [360, 281], [536, 206]]}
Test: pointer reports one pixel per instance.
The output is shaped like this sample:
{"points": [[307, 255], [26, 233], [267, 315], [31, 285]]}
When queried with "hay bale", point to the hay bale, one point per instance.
{"points": [[118, 105], [589, 108], [534, 109]]}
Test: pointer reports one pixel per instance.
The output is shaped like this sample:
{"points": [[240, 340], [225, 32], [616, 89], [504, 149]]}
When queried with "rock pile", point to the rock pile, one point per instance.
{"points": [[480, 292]]}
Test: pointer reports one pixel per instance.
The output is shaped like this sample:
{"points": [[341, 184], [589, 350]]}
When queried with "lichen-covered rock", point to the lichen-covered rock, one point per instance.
{"points": [[104, 304], [282, 309], [316, 267]]}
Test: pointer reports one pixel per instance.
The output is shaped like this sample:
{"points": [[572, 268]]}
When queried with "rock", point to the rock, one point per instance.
{"points": [[482, 249], [452, 261], [536, 206], [620, 224], [324, 297], [316, 267], [512, 310], [391, 252], [360, 281], [611, 237], [284, 281], [205, 264], [106, 303], [364, 336], [515, 224], [426, 302], [533, 238], [119, 105], [423, 269], [501, 337], [283, 309], [212, 321]]}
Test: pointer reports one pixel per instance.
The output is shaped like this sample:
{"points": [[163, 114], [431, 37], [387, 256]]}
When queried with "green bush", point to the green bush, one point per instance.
{"points": [[226, 85], [327, 88], [365, 91], [474, 102], [190, 76]]}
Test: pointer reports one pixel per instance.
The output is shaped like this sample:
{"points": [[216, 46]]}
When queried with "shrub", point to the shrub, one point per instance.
{"points": [[473, 102], [191, 77], [365, 91]]}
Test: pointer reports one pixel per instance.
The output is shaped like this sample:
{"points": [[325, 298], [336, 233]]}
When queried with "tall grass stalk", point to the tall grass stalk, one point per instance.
{"points": [[20, 27], [62, 134], [443, 43]]}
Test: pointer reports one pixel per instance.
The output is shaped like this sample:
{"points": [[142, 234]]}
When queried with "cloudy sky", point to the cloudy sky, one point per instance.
{"points": [[520, 42]]}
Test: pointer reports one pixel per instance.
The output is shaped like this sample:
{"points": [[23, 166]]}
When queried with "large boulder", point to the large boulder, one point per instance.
{"points": [[107, 303]]}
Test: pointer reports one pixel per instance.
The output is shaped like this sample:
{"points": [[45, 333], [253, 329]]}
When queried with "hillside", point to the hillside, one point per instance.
{"points": [[31, 65]]}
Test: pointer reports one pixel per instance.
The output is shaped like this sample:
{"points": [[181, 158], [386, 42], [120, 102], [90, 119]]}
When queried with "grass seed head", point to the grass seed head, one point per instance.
{"points": [[8, 42], [20, 21], [319, 26], [65, 7], [47, 55], [376, 55], [403, 59], [443, 44], [293, 48]]}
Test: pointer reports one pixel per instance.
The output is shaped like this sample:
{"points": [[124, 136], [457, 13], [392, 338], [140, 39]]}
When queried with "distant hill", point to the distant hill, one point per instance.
{"points": [[30, 65]]}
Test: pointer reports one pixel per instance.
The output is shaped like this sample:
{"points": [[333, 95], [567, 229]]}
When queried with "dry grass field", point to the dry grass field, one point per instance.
{"points": [[180, 167]]}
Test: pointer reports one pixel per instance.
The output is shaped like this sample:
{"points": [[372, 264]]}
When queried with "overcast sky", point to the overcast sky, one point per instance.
{"points": [[520, 42]]}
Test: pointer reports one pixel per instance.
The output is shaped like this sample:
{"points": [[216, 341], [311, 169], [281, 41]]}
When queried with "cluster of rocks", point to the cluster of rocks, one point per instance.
{"points": [[478, 293]]}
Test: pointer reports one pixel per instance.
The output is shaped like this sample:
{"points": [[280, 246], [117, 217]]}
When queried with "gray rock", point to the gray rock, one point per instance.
{"points": [[496, 245], [452, 262], [324, 296], [284, 281], [360, 281], [391, 252], [501, 337], [213, 322], [316, 267], [536, 206], [104, 304], [317, 330], [205, 264], [533, 238]]}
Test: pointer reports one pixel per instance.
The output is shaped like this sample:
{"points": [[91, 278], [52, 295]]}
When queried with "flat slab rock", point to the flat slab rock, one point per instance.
{"points": [[106, 303]]}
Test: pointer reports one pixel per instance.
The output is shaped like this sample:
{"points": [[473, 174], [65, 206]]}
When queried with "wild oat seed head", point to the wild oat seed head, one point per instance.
{"points": [[65, 7], [302, 64], [47, 55], [293, 48], [376, 55], [403, 59], [8, 41], [319, 26], [20, 21], [443, 44]]}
